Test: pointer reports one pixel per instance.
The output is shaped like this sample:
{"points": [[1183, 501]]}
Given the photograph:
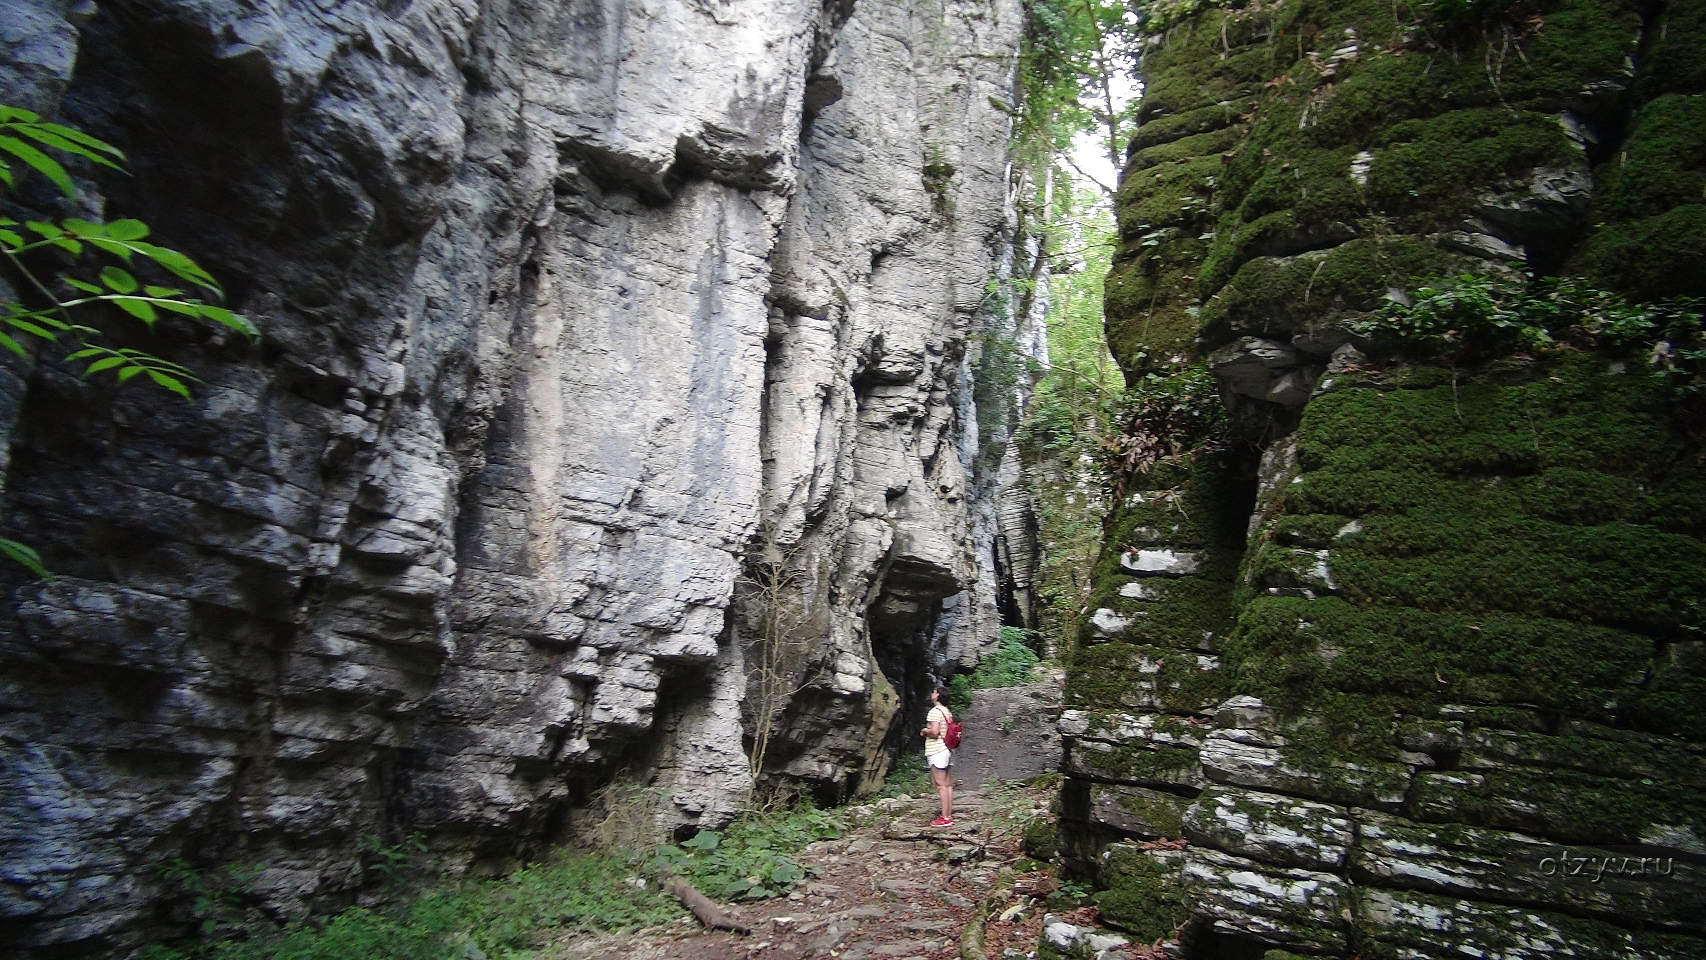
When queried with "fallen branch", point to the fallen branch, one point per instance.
{"points": [[972, 937], [932, 834], [709, 913]]}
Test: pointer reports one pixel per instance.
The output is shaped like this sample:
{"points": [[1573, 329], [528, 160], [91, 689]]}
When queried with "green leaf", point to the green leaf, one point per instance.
{"points": [[138, 308], [31, 328], [703, 840], [85, 353], [179, 264], [170, 383], [43, 164], [82, 285], [127, 229], [78, 136], [46, 230], [235, 321], [14, 346], [191, 308], [127, 373], [24, 557], [113, 247], [9, 115], [155, 291], [105, 363], [119, 281], [11, 239], [49, 138], [74, 247]]}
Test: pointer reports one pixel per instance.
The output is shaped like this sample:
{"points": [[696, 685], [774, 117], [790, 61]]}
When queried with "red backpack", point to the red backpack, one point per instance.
{"points": [[951, 736]]}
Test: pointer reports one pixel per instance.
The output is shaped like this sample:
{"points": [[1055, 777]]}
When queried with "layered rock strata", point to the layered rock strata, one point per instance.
{"points": [[581, 319], [1438, 706]]}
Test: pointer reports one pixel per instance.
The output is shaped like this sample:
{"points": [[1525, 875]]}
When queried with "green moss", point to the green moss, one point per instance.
{"points": [[1672, 61], [1272, 296], [1650, 258], [1612, 574], [1525, 535], [1563, 804], [1431, 167], [1496, 932], [1144, 897], [1529, 538], [1574, 414], [1162, 812], [1312, 530], [1178, 613], [1315, 185], [1173, 195], [1195, 146], [1200, 120], [1663, 164], [1140, 764], [1197, 68], [1670, 699], [1041, 838], [1562, 664], [1582, 41], [1610, 753], [1294, 651], [1138, 675], [1662, 945], [1149, 314]]}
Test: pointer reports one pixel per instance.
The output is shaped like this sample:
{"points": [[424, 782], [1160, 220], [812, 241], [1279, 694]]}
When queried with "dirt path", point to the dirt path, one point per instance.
{"points": [[891, 887], [1011, 733]]}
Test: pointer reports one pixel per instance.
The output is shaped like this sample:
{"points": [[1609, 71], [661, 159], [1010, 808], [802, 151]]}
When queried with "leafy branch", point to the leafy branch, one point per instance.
{"points": [[49, 258], [26, 139]]}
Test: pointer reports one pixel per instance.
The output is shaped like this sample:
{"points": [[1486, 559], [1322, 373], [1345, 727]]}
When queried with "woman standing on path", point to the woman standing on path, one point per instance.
{"points": [[938, 756]]}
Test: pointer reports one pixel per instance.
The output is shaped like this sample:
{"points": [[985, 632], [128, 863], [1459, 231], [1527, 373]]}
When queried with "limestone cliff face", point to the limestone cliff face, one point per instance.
{"points": [[1404, 655], [579, 317]]}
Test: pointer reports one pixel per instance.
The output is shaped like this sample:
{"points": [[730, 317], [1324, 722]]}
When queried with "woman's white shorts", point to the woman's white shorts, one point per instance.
{"points": [[941, 760]]}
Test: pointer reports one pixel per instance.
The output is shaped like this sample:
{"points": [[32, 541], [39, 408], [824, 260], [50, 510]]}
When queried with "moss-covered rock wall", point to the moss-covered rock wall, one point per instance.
{"points": [[1411, 655]]}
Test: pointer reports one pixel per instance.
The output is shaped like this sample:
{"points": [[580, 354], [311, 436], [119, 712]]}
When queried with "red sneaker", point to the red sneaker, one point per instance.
{"points": [[942, 822]]}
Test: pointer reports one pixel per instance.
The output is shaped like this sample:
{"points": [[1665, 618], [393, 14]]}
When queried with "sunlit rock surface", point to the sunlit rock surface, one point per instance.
{"points": [[571, 311]]}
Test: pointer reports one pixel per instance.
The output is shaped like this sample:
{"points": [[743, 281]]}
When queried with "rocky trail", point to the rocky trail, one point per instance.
{"points": [[891, 887]]}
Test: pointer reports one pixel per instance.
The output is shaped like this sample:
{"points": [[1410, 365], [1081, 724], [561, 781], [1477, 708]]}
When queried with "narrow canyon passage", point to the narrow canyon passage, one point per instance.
{"points": [[458, 457]]}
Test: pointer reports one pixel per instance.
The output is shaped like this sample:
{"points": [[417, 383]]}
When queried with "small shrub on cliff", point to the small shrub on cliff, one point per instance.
{"points": [[1467, 319], [1163, 417]]}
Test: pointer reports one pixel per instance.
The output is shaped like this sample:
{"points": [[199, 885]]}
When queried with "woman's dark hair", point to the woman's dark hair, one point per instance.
{"points": [[941, 694]]}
